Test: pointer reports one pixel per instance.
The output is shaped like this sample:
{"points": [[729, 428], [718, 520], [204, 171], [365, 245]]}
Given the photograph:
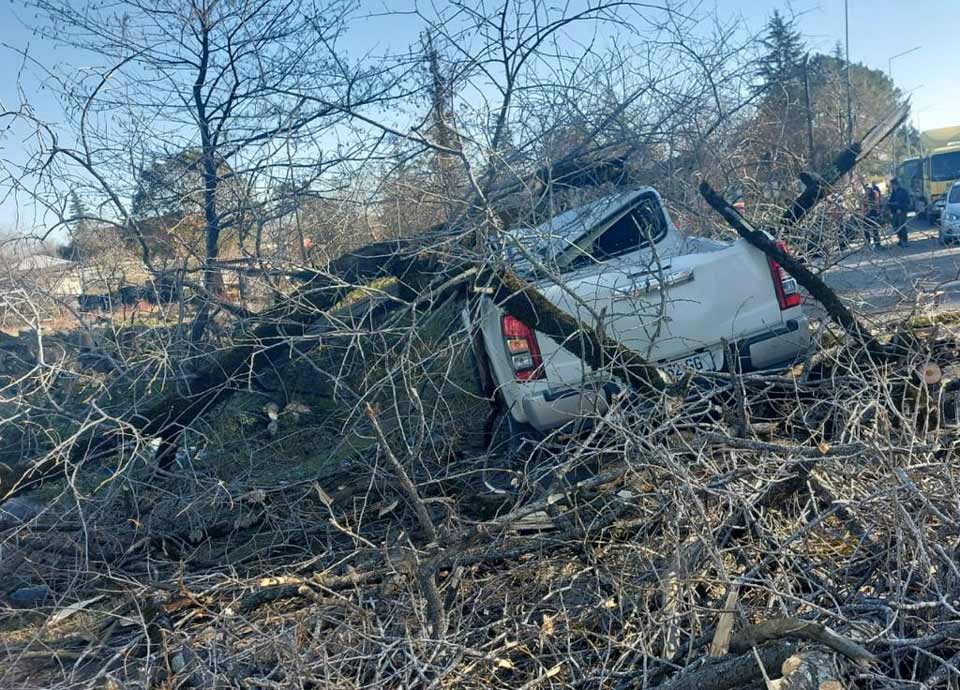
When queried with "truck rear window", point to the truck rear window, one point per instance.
{"points": [[954, 196], [610, 227], [639, 227], [642, 226]]}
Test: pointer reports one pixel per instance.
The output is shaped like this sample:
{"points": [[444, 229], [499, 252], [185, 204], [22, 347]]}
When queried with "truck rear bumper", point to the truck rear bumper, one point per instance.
{"points": [[557, 407], [776, 347]]}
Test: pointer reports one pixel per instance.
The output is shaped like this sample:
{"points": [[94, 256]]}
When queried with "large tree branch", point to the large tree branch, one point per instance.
{"points": [[811, 282], [524, 302], [797, 629], [816, 188]]}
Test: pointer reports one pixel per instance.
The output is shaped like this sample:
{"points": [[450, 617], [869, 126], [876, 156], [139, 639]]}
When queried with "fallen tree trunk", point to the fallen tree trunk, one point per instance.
{"points": [[524, 302], [268, 348]]}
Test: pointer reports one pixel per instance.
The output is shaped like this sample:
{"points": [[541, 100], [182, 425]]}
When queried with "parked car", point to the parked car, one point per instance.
{"points": [[950, 218], [672, 298]]}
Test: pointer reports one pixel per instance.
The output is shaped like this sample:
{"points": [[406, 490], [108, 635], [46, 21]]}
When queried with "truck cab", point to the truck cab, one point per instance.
{"points": [[941, 170], [941, 167]]}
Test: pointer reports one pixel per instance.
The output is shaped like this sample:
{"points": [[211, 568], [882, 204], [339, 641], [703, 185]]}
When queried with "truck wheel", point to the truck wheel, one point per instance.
{"points": [[508, 436], [511, 447]]}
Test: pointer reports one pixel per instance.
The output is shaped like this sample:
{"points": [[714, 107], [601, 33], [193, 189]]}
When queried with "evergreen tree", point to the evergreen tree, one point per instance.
{"points": [[78, 227], [441, 99], [781, 62], [838, 54], [79, 213], [443, 128]]}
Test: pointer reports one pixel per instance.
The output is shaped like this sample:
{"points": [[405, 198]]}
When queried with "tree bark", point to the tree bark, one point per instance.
{"points": [[524, 302], [741, 671], [211, 274]]}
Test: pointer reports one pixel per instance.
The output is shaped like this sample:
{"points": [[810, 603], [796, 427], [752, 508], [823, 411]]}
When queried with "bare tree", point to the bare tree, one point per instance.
{"points": [[227, 80]]}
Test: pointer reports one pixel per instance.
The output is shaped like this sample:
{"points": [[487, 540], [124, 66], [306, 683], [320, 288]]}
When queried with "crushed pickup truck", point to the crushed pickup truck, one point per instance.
{"points": [[621, 266]]}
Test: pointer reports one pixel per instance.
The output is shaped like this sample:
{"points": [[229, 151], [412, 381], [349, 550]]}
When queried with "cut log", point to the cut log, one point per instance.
{"points": [[811, 669], [734, 672]]}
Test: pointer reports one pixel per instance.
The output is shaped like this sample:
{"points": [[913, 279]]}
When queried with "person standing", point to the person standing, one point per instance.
{"points": [[899, 204]]}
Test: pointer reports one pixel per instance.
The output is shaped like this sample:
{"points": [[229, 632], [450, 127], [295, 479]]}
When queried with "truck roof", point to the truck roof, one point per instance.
{"points": [[554, 236], [573, 223]]}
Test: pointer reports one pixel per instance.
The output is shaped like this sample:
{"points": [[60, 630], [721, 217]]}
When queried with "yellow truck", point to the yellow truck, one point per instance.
{"points": [[941, 168]]}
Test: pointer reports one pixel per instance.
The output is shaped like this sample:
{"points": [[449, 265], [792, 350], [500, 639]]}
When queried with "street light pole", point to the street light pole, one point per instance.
{"points": [[896, 160], [894, 57]]}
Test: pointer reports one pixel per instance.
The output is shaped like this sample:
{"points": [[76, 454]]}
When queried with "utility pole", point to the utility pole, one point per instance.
{"points": [[846, 25], [806, 93]]}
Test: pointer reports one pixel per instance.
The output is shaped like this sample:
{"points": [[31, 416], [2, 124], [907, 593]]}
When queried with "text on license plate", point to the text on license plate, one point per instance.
{"points": [[679, 367]]}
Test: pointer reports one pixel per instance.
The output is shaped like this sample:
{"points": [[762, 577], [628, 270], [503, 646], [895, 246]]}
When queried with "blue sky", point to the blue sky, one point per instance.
{"points": [[878, 30]]}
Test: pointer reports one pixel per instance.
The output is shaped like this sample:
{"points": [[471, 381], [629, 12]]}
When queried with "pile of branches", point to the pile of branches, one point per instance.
{"points": [[817, 537], [792, 530]]}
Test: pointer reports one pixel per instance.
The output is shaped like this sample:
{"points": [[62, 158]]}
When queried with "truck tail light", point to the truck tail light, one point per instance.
{"points": [[788, 292], [522, 349]]}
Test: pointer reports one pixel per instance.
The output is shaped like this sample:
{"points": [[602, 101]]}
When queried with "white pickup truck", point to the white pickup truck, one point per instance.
{"points": [[621, 262]]}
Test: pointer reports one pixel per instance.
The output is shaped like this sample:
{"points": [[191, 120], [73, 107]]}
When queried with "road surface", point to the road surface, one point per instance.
{"points": [[894, 280]]}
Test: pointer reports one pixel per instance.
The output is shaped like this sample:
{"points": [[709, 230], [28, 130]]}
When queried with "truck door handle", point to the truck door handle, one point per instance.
{"points": [[650, 273]]}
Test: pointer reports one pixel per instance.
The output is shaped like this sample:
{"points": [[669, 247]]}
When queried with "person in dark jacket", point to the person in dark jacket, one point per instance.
{"points": [[899, 204]]}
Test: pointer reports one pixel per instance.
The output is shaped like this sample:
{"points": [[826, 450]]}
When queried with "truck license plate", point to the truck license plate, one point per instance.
{"points": [[693, 363]]}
